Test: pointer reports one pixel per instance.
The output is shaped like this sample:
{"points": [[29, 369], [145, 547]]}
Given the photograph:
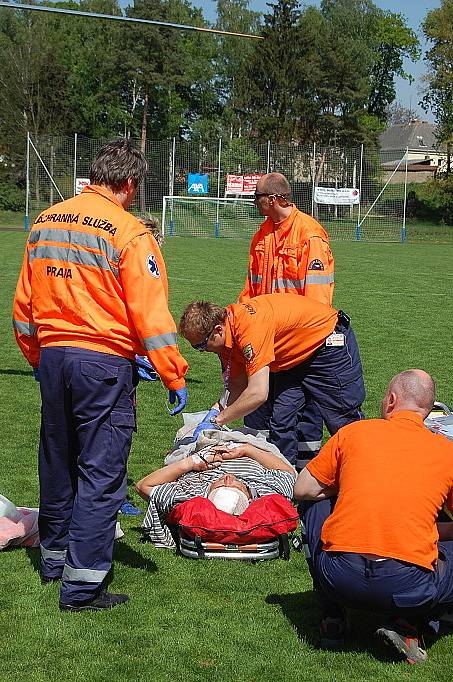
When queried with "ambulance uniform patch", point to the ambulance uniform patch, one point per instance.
{"points": [[152, 266], [248, 352], [316, 264]]}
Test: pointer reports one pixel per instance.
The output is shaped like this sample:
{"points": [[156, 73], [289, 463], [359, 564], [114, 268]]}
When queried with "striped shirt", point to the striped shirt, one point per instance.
{"points": [[163, 498]]}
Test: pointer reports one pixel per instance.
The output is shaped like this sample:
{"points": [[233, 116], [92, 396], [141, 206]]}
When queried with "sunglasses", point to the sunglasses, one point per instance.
{"points": [[257, 195], [203, 344]]}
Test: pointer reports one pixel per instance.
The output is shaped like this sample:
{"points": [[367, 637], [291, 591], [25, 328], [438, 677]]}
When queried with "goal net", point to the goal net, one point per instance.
{"points": [[209, 217]]}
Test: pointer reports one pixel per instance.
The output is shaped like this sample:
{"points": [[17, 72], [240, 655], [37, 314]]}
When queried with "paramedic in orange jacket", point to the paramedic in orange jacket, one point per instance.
{"points": [[92, 293], [309, 348], [289, 253]]}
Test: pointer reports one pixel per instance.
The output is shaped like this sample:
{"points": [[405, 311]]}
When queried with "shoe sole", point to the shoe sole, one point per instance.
{"points": [[331, 644], [88, 607], [394, 640]]}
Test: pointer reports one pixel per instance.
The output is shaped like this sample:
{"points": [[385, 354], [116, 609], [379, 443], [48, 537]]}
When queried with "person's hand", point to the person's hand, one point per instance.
{"points": [[145, 370], [36, 374], [203, 462], [206, 423], [179, 396], [233, 453]]}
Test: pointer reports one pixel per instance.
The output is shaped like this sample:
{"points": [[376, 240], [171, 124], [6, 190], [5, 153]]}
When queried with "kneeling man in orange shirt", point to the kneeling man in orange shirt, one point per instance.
{"points": [[374, 493]]}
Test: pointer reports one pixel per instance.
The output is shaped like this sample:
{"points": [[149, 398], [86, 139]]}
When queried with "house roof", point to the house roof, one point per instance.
{"points": [[417, 135], [412, 166]]}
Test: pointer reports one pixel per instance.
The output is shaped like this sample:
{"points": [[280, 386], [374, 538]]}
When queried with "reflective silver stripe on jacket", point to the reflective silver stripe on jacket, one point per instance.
{"points": [[321, 279], [27, 328], [69, 255], [92, 241], [83, 575], [288, 284], [310, 446], [160, 341], [52, 553], [255, 279]]}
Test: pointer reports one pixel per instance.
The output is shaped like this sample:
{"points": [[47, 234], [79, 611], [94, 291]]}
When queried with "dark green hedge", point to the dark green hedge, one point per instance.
{"points": [[431, 200]]}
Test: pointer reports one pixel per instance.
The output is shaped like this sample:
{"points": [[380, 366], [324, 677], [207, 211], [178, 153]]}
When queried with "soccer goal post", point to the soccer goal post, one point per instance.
{"points": [[209, 217]]}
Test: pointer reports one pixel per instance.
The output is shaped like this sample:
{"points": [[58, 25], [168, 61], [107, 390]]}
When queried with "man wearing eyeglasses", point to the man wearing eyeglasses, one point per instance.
{"points": [[308, 347], [290, 253]]}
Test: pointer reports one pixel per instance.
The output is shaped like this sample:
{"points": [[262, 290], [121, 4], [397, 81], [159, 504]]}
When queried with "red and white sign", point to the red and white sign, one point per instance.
{"points": [[80, 184], [234, 184], [242, 184], [250, 183]]}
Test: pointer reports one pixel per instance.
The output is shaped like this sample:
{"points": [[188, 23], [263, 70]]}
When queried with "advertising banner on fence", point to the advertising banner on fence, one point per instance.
{"points": [[197, 183], [341, 196], [242, 184], [80, 183], [250, 183]]}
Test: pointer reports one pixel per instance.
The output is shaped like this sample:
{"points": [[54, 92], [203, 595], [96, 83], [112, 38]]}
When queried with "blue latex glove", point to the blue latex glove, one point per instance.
{"points": [[36, 373], [179, 396], [206, 423], [145, 369]]}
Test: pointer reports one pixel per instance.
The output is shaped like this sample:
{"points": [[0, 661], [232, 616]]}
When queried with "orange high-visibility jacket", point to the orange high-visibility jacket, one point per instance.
{"points": [[93, 277], [293, 258]]}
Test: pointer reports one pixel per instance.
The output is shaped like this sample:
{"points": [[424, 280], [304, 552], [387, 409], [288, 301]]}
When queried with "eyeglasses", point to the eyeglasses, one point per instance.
{"points": [[257, 195], [203, 344]]}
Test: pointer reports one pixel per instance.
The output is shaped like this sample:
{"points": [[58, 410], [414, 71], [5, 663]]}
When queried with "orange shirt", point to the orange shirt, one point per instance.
{"points": [[278, 330], [291, 257], [93, 277], [393, 475]]}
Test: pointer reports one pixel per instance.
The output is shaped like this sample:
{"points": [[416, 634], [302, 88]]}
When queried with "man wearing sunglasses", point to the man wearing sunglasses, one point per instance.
{"points": [[290, 253], [308, 347]]}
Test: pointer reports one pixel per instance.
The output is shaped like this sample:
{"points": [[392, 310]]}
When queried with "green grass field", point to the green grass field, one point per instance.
{"points": [[224, 621]]}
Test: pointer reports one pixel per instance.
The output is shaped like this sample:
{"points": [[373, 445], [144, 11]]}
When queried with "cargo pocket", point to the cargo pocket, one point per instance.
{"points": [[122, 426], [351, 388]]}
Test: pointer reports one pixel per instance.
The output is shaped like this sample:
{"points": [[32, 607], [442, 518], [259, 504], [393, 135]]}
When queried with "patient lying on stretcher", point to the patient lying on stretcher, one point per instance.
{"points": [[229, 474]]}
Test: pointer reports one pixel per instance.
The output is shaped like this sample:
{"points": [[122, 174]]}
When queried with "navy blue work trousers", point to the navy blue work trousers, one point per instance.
{"points": [[309, 425], [87, 421], [391, 587], [332, 377]]}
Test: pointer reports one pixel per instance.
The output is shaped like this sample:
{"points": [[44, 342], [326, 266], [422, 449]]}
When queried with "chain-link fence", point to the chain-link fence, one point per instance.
{"points": [[355, 193]]}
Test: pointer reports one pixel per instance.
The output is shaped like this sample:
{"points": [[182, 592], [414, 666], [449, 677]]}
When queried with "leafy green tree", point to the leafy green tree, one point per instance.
{"points": [[438, 28], [265, 93], [325, 74], [393, 42], [93, 55], [233, 54], [166, 72], [32, 77]]}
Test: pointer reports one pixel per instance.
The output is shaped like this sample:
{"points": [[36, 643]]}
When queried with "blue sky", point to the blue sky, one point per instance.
{"points": [[414, 11]]}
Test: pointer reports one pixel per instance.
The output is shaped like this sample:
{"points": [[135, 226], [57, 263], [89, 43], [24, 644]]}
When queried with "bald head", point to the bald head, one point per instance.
{"points": [[274, 183], [413, 390]]}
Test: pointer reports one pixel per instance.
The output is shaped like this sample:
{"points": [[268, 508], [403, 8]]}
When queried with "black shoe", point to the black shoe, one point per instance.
{"points": [[104, 600], [404, 639], [332, 633]]}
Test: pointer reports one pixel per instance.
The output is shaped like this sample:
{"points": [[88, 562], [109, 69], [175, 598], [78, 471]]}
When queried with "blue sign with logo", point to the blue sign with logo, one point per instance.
{"points": [[197, 183]]}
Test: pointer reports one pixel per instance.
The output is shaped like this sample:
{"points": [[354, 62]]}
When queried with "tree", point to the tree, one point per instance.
{"points": [[166, 72], [325, 74], [265, 92], [438, 28], [32, 77], [397, 114], [393, 42], [233, 55]]}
